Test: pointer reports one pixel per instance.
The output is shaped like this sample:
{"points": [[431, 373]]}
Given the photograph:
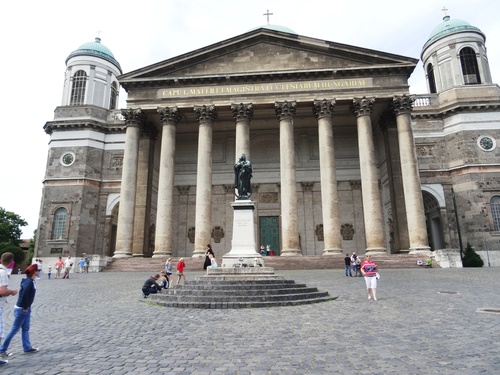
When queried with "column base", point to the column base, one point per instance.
{"points": [[122, 255], [420, 250], [375, 250], [333, 251], [198, 254], [162, 254], [290, 253]]}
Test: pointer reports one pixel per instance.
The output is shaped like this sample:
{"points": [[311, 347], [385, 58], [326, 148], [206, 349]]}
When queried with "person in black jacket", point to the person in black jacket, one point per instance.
{"points": [[22, 312], [151, 286], [208, 261]]}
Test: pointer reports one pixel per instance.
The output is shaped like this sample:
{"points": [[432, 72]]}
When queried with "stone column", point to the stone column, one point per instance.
{"points": [[323, 110], [285, 111], [170, 117], [206, 115], [242, 114], [415, 214], [142, 224], [134, 118], [372, 207]]}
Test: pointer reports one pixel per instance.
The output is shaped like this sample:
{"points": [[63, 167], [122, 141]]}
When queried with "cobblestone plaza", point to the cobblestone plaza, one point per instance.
{"points": [[425, 321]]}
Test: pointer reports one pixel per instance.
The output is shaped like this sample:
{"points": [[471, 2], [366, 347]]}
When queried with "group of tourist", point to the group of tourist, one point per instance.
{"points": [[163, 280], [22, 309], [352, 265]]}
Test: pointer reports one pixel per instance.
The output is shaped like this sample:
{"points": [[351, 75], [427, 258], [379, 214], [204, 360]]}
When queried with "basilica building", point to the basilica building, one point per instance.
{"points": [[344, 158]]}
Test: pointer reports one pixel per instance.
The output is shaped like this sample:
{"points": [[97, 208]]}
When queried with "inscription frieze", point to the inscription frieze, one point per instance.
{"points": [[299, 86]]}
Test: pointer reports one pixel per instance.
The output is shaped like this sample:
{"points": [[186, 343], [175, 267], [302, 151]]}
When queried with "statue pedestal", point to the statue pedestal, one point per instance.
{"points": [[243, 247]]}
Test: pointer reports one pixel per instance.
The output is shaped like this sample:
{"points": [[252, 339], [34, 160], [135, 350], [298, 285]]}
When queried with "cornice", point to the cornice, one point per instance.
{"points": [[105, 128], [440, 113]]}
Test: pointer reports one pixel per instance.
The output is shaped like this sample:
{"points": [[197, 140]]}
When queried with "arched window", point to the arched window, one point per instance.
{"points": [[431, 78], [78, 88], [495, 212], [59, 225], [470, 69], [114, 95]]}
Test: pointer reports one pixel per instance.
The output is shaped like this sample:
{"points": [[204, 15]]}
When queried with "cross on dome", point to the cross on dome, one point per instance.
{"points": [[267, 14]]}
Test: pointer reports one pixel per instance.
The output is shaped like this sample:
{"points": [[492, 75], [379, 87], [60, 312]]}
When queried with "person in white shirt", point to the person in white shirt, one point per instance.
{"points": [[6, 260]]}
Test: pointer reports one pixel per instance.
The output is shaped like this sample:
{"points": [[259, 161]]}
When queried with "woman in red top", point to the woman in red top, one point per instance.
{"points": [[180, 270], [369, 271]]}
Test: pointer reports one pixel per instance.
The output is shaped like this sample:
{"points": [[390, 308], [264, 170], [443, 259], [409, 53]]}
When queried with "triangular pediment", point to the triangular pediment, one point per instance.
{"points": [[265, 52]]}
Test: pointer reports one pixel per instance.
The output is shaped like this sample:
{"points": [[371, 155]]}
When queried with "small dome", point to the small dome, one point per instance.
{"points": [[279, 28], [450, 26], [95, 49]]}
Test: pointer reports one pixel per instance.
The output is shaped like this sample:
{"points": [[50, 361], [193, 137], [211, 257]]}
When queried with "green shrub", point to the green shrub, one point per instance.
{"points": [[471, 258]]}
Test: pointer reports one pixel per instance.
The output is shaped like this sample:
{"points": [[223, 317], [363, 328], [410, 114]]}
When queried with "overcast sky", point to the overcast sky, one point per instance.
{"points": [[38, 36]]}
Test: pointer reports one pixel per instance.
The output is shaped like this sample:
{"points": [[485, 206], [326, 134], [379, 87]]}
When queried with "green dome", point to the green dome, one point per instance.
{"points": [[95, 49], [450, 26]]}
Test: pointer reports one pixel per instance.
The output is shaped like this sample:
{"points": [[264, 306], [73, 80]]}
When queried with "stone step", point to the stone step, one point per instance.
{"points": [[242, 305], [238, 298], [255, 288], [384, 261], [236, 292]]}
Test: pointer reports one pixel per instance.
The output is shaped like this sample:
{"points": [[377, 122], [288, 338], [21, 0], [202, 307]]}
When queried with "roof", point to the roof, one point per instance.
{"points": [[97, 49], [450, 26]]}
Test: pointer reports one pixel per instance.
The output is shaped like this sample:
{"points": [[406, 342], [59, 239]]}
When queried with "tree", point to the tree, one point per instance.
{"points": [[10, 228], [471, 258]]}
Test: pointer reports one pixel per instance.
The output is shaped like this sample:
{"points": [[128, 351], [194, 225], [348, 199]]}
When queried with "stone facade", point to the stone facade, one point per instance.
{"points": [[344, 159]]}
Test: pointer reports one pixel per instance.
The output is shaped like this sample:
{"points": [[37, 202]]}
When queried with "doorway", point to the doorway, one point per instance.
{"points": [[269, 230]]}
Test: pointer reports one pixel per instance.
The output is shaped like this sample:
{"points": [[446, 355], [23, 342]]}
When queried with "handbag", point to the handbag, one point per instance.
{"points": [[377, 275]]}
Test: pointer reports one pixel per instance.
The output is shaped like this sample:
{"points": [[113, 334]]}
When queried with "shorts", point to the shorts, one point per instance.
{"points": [[371, 282], [168, 273], [179, 273]]}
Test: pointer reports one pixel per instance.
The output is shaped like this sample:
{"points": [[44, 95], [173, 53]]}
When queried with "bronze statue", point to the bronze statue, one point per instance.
{"points": [[242, 176]]}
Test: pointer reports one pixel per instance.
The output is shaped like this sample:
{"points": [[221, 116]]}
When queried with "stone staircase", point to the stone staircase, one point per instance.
{"points": [[383, 261], [239, 288]]}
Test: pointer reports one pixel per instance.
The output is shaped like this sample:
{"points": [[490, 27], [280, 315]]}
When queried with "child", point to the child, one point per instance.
{"points": [[49, 272]]}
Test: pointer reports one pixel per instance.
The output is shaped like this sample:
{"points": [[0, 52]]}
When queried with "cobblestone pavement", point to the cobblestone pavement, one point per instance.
{"points": [[426, 321]]}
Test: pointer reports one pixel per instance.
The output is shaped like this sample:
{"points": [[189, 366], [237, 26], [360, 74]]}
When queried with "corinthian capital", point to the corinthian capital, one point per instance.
{"points": [[169, 115], [362, 106], [323, 108], [242, 112], [133, 117], [402, 104], [205, 114], [285, 110]]}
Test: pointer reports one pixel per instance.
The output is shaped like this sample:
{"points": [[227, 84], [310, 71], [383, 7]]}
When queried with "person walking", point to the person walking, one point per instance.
{"points": [[22, 313], [369, 271], [5, 262], [87, 265], [81, 265], [68, 263], [168, 271], [59, 266], [347, 263], [180, 271]]}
